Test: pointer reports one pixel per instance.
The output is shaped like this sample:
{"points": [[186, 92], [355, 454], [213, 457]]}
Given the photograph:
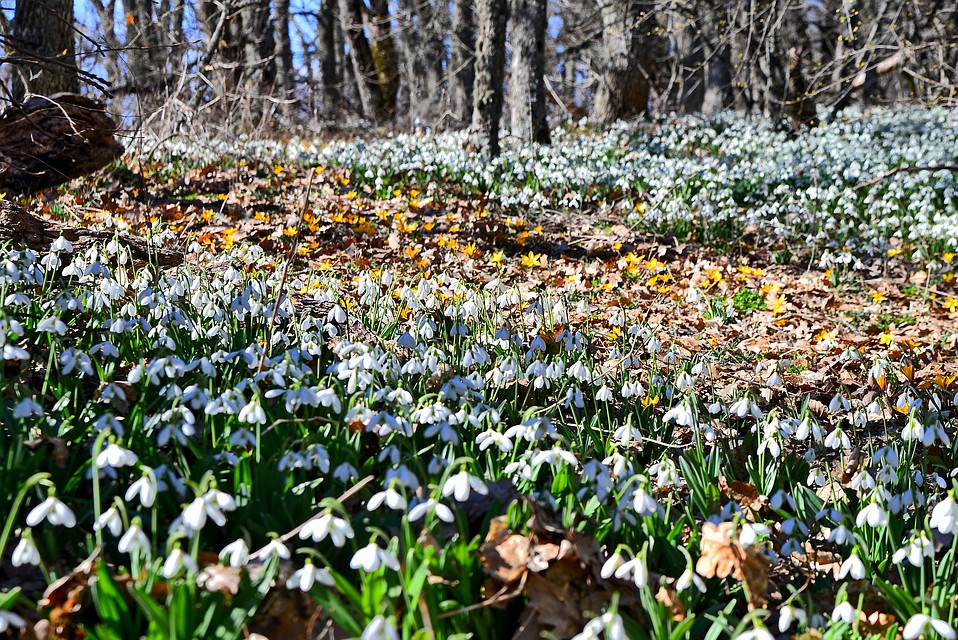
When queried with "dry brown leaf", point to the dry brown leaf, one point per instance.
{"points": [[723, 557]]}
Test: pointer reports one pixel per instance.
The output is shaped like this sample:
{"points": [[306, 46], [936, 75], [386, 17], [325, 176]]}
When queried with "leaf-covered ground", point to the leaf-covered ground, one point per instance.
{"points": [[689, 379]]}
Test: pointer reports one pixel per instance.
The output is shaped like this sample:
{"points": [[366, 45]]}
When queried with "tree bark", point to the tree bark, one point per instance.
{"points": [[462, 71], [623, 86], [384, 54], [328, 61], [527, 102], [283, 56], [361, 57], [43, 48], [490, 68]]}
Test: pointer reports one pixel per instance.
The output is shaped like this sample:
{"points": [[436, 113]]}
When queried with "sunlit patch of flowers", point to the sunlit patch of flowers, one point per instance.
{"points": [[712, 178], [164, 418]]}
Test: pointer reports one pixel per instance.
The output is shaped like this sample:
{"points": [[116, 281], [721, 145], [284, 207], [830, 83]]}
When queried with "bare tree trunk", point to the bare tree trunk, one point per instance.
{"points": [[43, 48], [360, 54], [328, 64], [283, 56], [490, 68], [623, 87], [384, 53], [527, 88], [462, 63]]}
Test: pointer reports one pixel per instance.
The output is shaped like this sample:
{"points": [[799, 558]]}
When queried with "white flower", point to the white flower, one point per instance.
{"points": [[25, 552], [134, 540], [687, 579], [749, 533], [53, 511], [379, 628], [176, 562], [235, 553], [854, 566], [252, 413], [461, 485], [304, 579], [115, 456], [145, 489], [917, 549], [789, 614], [610, 566], [371, 557], [944, 516], [443, 512], [391, 497], [110, 520], [274, 547], [327, 525], [844, 612], [921, 623], [755, 634], [634, 569], [10, 619], [52, 324], [874, 515]]}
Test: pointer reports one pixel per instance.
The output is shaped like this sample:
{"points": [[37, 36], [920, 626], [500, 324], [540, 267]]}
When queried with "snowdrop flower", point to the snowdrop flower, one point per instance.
{"points": [[944, 516], [392, 498], [609, 623], [634, 569], [852, 566], [134, 540], [610, 566], [25, 553], [144, 489], [327, 524], [10, 619], [917, 549], [844, 612], [304, 579], [235, 553], [789, 614], [27, 408], [838, 438], [921, 623], [442, 512], [115, 456], [380, 628], [755, 634], [873, 515], [274, 547], [604, 394], [461, 485], [52, 324], [252, 413], [749, 533], [109, 520], [371, 557], [53, 511], [176, 562], [689, 578]]}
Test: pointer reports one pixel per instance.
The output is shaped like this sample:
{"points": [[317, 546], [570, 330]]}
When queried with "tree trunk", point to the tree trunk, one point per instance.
{"points": [[527, 101], [328, 61], [283, 56], [490, 68], [384, 53], [462, 62], [360, 54], [623, 86], [43, 48]]}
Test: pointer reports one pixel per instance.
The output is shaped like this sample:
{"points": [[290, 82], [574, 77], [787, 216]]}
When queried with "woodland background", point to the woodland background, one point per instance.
{"points": [[268, 67]]}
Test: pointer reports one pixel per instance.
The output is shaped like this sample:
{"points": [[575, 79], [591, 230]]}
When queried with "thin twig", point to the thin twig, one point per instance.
{"points": [[290, 258], [910, 169]]}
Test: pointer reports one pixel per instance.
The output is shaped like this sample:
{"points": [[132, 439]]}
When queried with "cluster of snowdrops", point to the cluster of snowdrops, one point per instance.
{"points": [[179, 423]]}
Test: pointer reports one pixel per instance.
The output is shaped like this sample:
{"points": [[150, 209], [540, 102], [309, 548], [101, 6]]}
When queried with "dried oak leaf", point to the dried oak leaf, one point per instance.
{"points": [[746, 495], [723, 557]]}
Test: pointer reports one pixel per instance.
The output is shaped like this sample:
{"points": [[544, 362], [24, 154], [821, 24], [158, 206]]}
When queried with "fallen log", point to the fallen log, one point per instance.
{"points": [[22, 229], [48, 141]]}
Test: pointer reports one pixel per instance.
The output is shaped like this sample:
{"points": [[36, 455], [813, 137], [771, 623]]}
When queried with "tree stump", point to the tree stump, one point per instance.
{"points": [[22, 229], [47, 141]]}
